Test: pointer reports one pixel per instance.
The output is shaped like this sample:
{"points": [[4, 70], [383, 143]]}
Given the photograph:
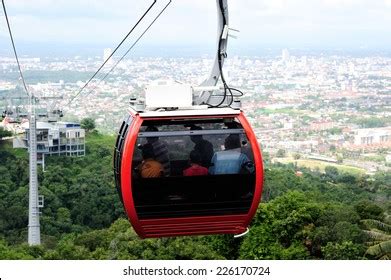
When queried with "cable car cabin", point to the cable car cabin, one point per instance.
{"points": [[188, 172]]}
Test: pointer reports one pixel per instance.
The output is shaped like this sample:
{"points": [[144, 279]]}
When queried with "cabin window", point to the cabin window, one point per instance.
{"points": [[184, 168]]}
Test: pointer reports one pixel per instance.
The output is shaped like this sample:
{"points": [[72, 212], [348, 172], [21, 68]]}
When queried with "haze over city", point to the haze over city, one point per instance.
{"points": [[189, 27]]}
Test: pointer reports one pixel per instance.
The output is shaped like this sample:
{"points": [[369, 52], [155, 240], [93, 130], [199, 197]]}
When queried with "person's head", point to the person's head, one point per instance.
{"points": [[232, 125], [232, 142], [195, 157], [152, 129], [147, 151], [195, 138]]}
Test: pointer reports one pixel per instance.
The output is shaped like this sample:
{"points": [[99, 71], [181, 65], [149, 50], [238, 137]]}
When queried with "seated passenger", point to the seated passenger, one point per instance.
{"points": [[231, 160], [149, 167], [202, 146], [160, 150], [246, 149], [195, 169]]}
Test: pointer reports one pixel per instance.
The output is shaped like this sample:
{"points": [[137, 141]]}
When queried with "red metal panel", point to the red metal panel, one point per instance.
{"points": [[228, 224], [258, 167], [126, 174]]}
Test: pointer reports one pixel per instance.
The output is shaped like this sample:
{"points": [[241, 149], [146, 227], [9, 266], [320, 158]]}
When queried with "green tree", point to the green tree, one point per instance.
{"points": [[301, 217], [371, 122], [347, 178], [331, 172], [119, 241], [346, 250], [381, 250], [4, 133], [296, 156], [379, 239], [226, 245], [9, 253], [88, 124], [369, 210], [336, 223], [279, 229]]}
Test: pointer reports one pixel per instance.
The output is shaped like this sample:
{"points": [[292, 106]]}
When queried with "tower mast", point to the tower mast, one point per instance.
{"points": [[35, 201]]}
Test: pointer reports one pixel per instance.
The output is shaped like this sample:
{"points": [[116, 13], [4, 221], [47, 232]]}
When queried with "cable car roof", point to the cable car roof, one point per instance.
{"points": [[189, 113]]}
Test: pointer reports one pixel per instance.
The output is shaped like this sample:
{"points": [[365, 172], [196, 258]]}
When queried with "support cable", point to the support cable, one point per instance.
{"points": [[119, 45], [13, 46], [131, 47]]}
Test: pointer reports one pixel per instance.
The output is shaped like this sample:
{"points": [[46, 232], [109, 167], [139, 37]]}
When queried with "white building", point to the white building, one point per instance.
{"points": [[373, 136], [61, 138]]}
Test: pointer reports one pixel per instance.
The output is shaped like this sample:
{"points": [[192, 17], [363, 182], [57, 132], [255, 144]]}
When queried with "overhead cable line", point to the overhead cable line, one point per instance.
{"points": [[119, 45], [131, 47], [13, 46]]}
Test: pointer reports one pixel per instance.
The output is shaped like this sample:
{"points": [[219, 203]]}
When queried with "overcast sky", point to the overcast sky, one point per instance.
{"points": [[290, 23]]}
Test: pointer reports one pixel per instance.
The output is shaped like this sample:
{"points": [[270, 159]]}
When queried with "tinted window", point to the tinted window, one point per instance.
{"points": [[192, 168]]}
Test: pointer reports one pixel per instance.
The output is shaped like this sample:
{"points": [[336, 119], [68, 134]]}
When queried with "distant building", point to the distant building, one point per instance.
{"points": [[321, 125], [373, 137], [61, 138]]}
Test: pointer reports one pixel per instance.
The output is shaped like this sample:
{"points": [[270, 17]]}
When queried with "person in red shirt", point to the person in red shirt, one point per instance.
{"points": [[195, 169]]}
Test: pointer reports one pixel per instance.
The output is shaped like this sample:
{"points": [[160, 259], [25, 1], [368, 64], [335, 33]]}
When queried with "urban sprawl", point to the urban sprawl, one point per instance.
{"points": [[310, 111]]}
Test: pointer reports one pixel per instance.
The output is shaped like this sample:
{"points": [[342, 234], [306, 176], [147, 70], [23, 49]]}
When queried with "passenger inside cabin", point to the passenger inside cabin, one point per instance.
{"points": [[203, 147], [195, 169], [245, 148], [160, 150], [149, 167], [231, 160]]}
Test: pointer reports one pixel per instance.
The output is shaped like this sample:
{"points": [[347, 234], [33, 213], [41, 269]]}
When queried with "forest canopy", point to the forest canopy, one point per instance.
{"points": [[317, 215]]}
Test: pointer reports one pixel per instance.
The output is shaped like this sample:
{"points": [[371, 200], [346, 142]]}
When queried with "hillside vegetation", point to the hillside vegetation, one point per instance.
{"points": [[328, 215]]}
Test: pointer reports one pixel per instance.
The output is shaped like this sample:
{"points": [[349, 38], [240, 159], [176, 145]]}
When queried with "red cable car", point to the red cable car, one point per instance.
{"points": [[186, 160], [223, 201]]}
